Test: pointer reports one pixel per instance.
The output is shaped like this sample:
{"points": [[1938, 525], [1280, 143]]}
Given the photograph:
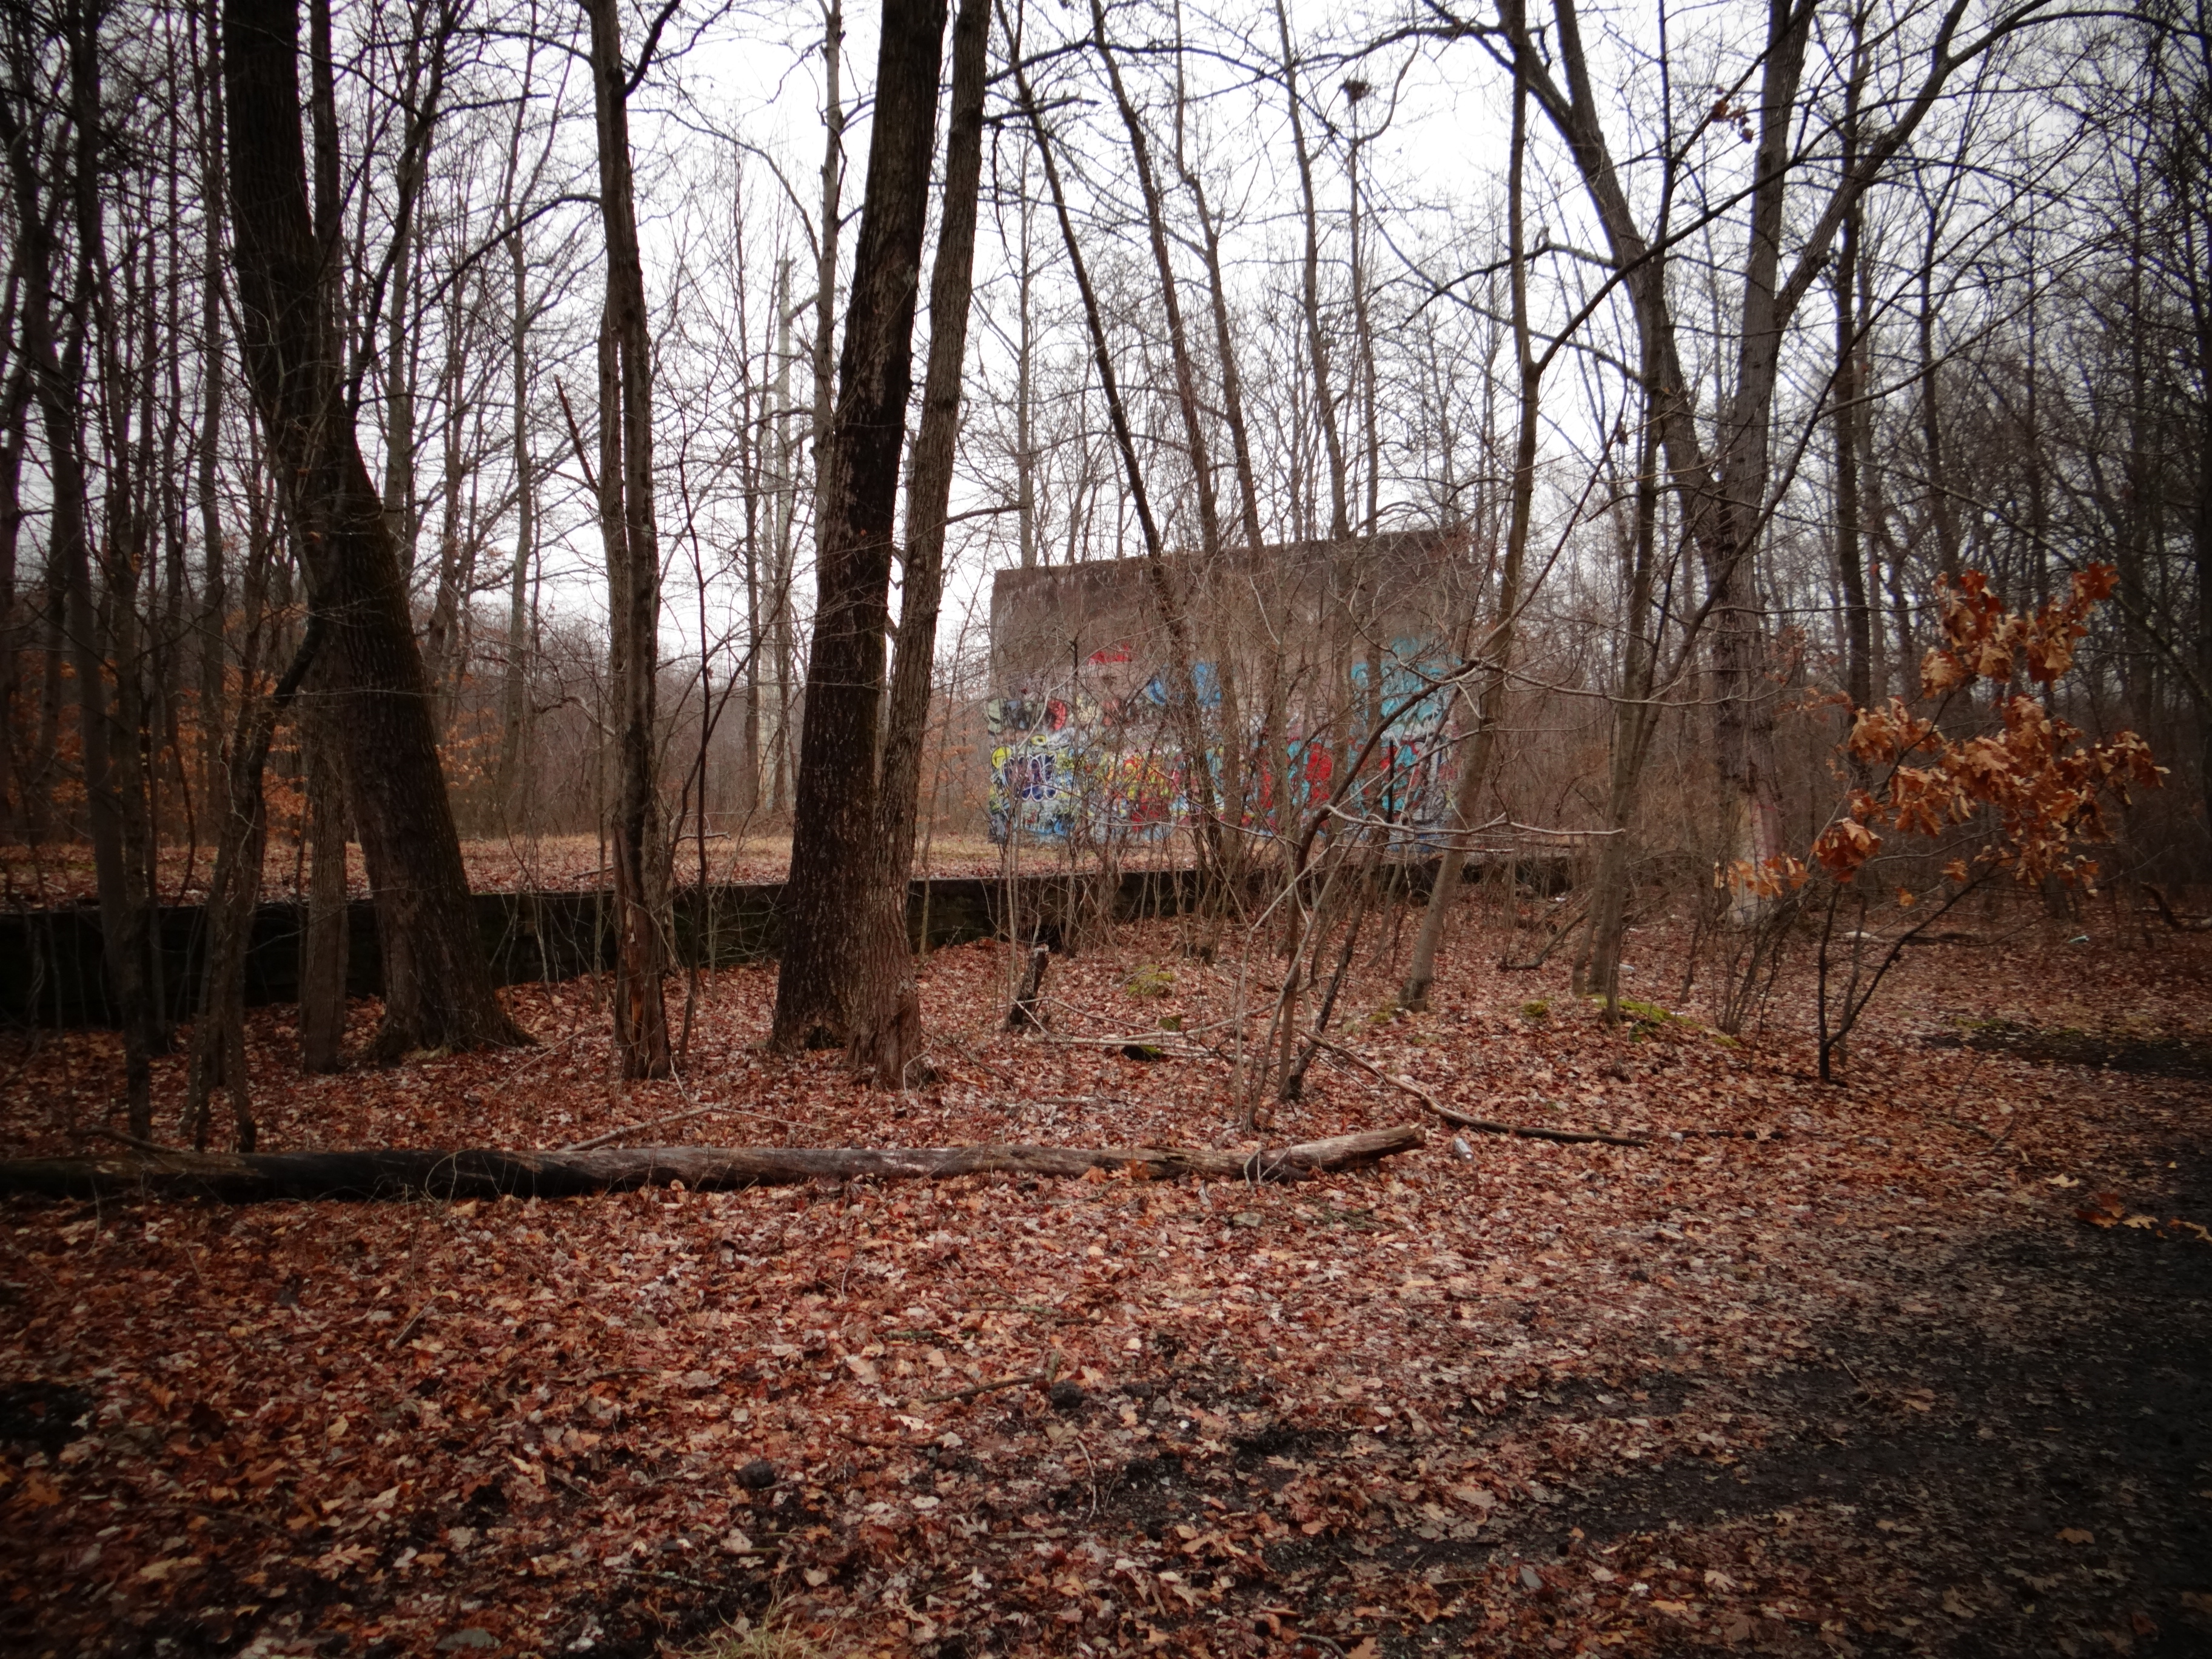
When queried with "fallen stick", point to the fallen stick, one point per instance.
{"points": [[98, 1133], [1535, 1132], [625, 1133], [1149, 1040], [1042, 1379], [980, 1389], [1486, 1126], [394, 1173]]}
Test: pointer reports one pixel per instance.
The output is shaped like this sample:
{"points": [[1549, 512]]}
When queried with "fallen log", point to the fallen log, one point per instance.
{"points": [[395, 1173]]}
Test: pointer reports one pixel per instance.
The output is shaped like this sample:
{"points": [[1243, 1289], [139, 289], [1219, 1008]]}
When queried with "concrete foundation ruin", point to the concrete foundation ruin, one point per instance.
{"points": [[1299, 652]]}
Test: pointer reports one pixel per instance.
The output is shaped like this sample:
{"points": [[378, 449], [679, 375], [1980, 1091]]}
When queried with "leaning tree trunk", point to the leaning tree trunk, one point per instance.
{"points": [[887, 1022], [1633, 723], [836, 847], [631, 537], [1226, 847], [437, 987], [1168, 597]]}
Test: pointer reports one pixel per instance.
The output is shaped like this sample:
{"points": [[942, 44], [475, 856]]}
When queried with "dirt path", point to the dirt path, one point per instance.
{"points": [[2003, 1448]]}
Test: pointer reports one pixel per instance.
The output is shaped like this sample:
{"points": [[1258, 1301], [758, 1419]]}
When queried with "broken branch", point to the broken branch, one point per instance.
{"points": [[1486, 1126]]}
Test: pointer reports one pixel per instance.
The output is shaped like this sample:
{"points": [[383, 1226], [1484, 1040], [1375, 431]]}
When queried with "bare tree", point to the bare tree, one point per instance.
{"points": [[835, 828], [438, 984], [630, 534], [887, 1025]]}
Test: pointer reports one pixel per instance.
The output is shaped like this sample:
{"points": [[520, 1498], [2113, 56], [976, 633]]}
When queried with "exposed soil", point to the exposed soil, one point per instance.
{"points": [[2152, 1056]]}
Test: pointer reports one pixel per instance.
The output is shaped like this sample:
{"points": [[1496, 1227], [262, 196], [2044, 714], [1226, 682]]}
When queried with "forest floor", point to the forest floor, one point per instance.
{"points": [[1921, 1363]]}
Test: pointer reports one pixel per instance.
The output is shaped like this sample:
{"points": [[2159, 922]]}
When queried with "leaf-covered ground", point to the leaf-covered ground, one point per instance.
{"points": [[1918, 1364]]}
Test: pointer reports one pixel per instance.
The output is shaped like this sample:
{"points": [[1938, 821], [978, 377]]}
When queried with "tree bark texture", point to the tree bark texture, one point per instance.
{"points": [[835, 834], [887, 1028], [277, 1177], [323, 952], [628, 530], [438, 984]]}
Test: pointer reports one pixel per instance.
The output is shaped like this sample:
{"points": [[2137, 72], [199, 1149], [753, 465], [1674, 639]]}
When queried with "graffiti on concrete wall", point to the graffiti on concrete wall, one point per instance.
{"points": [[1091, 755]]}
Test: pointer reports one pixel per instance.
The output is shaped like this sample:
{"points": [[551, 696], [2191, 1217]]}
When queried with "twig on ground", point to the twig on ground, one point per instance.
{"points": [[1486, 1126], [1042, 1379], [982, 1388], [143, 1145], [613, 1135], [400, 1336], [634, 1128], [1960, 1123]]}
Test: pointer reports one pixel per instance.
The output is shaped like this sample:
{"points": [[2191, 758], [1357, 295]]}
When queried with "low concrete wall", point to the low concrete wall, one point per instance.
{"points": [[51, 961], [52, 971]]}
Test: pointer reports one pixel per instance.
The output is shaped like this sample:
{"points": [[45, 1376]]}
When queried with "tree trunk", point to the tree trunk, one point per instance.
{"points": [[780, 648], [218, 1055], [826, 246], [1850, 556], [1497, 647], [628, 528], [296, 1177], [887, 1025], [1264, 780], [57, 367], [438, 984], [1339, 512], [1183, 711], [15, 783], [401, 345], [1633, 722], [835, 835], [1725, 492], [213, 598], [442, 658], [514, 687], [1225, 848], [323, 952]]}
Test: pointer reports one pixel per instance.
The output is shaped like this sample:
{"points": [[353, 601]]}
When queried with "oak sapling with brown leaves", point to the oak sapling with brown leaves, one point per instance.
{"points": [[2024, 795]]}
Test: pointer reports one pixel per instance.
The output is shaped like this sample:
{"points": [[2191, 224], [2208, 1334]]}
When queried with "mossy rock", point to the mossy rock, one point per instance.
{"points": [[1150, 981], [1649, 1018]]}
